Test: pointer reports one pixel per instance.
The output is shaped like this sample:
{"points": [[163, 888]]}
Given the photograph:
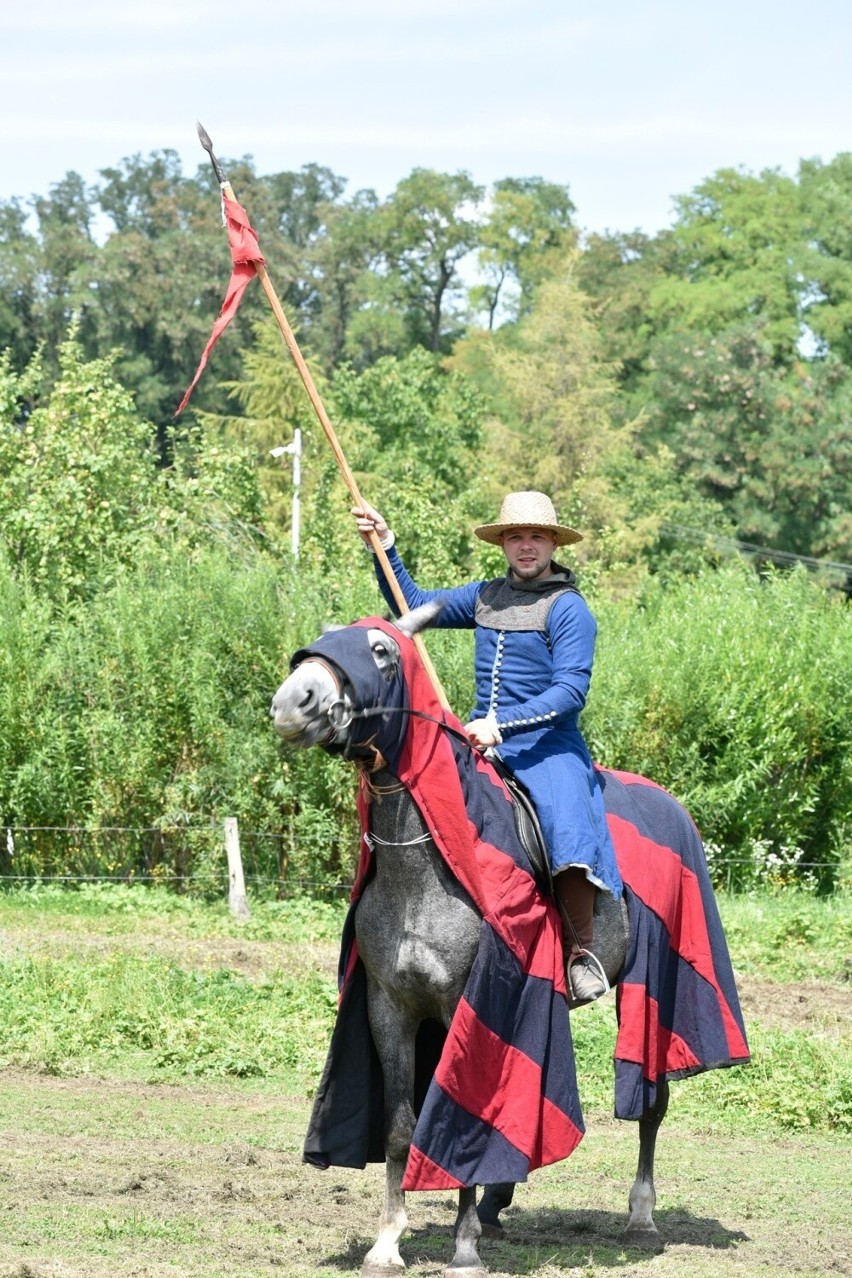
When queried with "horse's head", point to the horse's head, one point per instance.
{"points": [[342, 687]]}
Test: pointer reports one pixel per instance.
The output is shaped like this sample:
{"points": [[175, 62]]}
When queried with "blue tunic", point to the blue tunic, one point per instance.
{"points": [[534, 683]]}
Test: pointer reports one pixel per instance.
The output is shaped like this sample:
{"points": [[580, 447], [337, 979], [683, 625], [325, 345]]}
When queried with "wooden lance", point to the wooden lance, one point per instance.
{"points": [[330, 434]]}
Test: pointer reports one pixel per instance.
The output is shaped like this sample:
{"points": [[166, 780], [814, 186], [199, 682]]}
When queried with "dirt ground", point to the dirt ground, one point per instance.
{"points": [[106, 1179], [794, 1006], [126, 1180]]}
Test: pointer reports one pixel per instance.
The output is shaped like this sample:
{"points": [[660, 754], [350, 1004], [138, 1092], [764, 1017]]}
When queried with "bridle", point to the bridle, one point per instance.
{"points": [[338, 712], [341, 714], [368, 759]]}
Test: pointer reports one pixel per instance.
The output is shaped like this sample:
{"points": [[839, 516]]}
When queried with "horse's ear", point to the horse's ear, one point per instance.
{"points": [[411, 623]]}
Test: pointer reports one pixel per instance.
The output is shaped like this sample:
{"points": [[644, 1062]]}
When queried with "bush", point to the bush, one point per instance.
{"points": [[147, 707], [733, 692]]}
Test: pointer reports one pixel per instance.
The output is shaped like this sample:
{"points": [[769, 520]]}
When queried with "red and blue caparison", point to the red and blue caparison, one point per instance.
{"points": [[497, 1094]]}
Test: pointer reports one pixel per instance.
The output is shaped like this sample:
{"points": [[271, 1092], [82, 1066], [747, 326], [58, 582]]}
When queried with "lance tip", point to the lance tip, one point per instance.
{"points": [[204, 139], [203, 136]]}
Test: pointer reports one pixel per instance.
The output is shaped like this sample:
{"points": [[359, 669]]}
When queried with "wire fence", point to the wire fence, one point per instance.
{"points": [[185, 858], [192, 858]]}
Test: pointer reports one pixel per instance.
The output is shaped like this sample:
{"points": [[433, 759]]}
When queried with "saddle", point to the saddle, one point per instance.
{"points": [[527, 825]]}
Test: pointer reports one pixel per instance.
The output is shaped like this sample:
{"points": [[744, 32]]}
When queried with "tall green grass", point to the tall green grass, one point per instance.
{"points": [[790, 936], [129, 1013], [733, 691], [147, 709], [79, 995], [112, 981]]}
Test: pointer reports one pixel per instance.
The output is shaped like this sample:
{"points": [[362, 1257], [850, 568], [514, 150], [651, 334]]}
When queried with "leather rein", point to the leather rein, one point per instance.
{"points": [[370, 759], [340, 715]]}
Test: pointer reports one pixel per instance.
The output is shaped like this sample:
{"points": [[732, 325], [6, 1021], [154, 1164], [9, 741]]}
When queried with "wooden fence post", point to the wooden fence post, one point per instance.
{"points": [[237, 890]]}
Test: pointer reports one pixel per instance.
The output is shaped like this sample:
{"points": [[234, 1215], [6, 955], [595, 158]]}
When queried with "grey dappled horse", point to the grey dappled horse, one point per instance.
{"points": [[417, 932]]}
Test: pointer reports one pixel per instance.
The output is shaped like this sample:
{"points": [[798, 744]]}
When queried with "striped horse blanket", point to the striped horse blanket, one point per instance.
{"points": [[496, 1093]]}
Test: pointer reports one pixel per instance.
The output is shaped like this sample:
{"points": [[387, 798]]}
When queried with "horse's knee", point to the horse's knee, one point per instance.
{"points": [[398, 1141]]}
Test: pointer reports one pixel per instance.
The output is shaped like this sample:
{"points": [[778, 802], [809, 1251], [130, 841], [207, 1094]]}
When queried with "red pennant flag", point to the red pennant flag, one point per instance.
{"points": [[245, 254]]}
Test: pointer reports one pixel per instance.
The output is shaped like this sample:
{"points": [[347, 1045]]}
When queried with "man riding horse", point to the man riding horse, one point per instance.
{"points": [[534, 649], [451, 1055]]}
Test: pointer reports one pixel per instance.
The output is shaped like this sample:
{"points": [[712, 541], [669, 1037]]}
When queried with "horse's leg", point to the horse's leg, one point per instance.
{"points": [[467, 1232], [493, 1200], [641, 1230], [393, 1033]]}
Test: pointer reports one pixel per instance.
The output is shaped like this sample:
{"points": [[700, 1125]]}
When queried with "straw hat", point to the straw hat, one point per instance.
{"points": [[527, 510]]}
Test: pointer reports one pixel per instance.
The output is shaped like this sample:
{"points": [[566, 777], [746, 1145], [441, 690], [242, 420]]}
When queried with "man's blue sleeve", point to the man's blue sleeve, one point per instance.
{"points": [[459, 603]]}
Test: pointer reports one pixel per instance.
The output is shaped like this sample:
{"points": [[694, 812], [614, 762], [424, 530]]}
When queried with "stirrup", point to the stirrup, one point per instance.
{"points": [[574, 1000]]}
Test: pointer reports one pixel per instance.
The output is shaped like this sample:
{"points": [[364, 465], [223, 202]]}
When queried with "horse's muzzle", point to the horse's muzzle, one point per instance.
{"points": [[309, 708]]}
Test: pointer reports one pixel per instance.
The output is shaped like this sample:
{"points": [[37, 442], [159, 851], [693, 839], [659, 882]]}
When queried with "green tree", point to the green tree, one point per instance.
{"points": [[772, 446], [290, 211], [342, 324], [560, 395], [527, 229], [412, 435], [560, 427], [725, 329], [619, 273], [737, 239], [67, 251], [271, 404], [157, 286], [161, 274], [18, 283], [426, 227], [826, 197]]}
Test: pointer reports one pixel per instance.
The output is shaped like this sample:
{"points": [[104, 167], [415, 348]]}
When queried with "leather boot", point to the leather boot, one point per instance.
{"points": [[576, 898]]}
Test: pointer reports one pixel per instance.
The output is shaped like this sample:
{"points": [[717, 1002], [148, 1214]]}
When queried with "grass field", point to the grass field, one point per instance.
{"points": [[158, 1060]]}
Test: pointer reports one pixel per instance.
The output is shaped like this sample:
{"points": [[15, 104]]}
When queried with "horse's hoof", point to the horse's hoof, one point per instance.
{"points": [[370, 1269], [643, 1240], [490, 1230]]}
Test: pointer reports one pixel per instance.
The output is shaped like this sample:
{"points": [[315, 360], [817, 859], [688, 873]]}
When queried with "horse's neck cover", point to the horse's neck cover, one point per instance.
{"points": [[461, 797], [374, 690]]}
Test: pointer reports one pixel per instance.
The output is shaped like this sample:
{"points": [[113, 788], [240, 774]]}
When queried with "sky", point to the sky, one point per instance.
{"points": [[629, 104]]}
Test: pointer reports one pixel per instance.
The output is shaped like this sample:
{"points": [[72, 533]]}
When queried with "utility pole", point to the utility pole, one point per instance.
{"points": [[294, 450]]}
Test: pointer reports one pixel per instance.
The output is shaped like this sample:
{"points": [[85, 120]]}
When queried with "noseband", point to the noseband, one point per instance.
{"points": [[338, 713], [341, 715]]}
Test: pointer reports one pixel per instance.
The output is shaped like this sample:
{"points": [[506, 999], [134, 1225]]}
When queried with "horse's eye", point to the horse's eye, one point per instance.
{"points": [[380, 650]]}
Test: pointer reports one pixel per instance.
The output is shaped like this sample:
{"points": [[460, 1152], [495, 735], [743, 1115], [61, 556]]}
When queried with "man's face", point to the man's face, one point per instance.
{"points": [[528, 552]]}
